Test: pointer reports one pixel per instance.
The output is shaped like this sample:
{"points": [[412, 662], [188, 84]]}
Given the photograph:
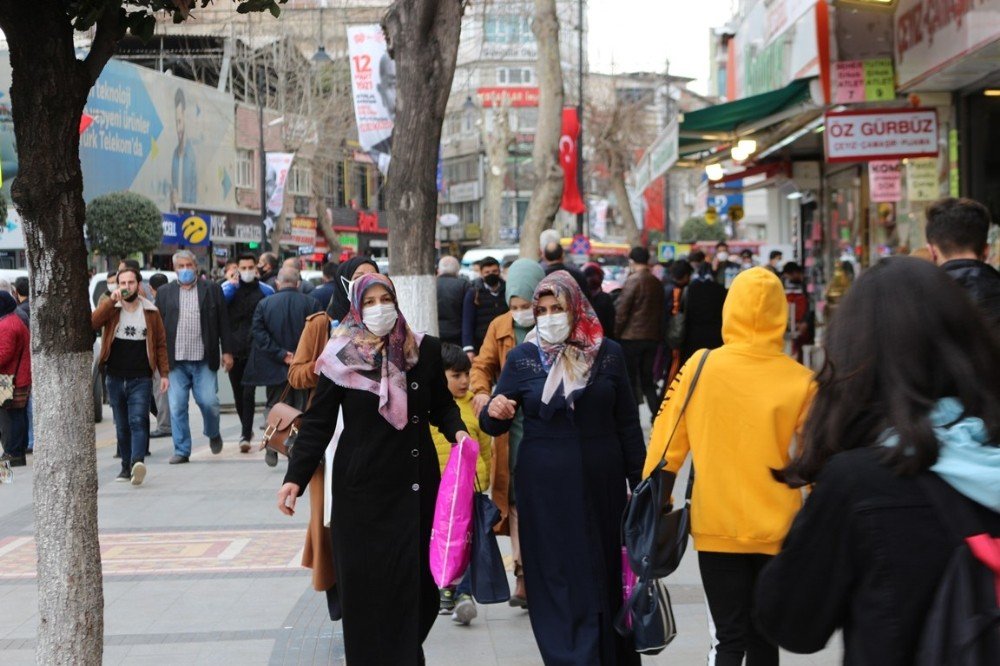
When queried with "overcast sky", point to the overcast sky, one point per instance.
{"points": [[639, 35]]}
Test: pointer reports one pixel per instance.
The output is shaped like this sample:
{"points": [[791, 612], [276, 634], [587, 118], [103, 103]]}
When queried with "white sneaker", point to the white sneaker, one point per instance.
{"points": [[244, 446], [465, 610], [138, 473]]}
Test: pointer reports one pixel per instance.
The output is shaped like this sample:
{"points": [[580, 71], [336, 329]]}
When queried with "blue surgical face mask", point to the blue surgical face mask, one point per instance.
{"points": [[186, 275]]}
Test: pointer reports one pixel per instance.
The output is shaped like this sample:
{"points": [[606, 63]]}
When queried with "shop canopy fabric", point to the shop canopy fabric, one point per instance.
{"points": [[728, 118]]}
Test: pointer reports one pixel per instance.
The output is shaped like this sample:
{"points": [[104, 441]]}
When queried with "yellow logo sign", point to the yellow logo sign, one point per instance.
{"points": [[194, 230]]}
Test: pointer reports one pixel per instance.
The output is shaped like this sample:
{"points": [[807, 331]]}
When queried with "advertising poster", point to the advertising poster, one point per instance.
{"points": [[863, 135], [278, 166], [164, 137], [885, 181], [373, 82]]}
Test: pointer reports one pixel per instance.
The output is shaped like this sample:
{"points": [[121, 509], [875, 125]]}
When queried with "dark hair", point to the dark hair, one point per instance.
{"points": [[696, 257], [958, 225], [454, 359], [270, 259], [639, 255], [553, 252], [179, 99], [791, 267], [157, 280], [130, 263], [747, 253], [904, 337], [776, 254], [722, 244], [486, 262], [247, 256], [680, 270], [112, 274], [330, 270], [21, 286], [134, 271]]}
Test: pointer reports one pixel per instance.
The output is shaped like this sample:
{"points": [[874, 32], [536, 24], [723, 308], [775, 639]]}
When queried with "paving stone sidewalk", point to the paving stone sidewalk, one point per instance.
{"points": [[201, 569]]}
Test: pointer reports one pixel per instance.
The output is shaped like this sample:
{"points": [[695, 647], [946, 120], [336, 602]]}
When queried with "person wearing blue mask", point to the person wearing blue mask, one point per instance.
{"points": [[197, 323]]}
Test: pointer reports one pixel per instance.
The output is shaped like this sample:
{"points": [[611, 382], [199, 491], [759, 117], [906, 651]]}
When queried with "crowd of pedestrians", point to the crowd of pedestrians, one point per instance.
{"points": [[548, 368]]}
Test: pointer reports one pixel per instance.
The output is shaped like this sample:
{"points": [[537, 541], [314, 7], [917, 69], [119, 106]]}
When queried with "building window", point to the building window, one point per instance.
{"points": [[508, 30], [300, 180], [244, 168], [515, 76]]}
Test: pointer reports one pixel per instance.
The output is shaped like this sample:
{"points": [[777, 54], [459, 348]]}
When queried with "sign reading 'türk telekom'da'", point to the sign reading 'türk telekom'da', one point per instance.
{"points": [[880, 134]]}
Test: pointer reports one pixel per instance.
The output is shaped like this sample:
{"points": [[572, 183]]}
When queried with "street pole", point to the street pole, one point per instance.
{"points": [[668, 117], [262, 167], [579, 115]]}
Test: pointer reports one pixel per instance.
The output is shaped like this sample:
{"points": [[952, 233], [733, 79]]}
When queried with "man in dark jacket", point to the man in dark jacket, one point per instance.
{"points": [[278, 322], [242, 293], [639, 320], [197, 325], [555, 260], [324, 292], [21, 291], [451, 288], [957, 231], [484, 302], [267, 268]]}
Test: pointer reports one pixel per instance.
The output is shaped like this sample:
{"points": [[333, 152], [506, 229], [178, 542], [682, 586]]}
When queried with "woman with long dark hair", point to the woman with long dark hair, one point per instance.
{"points": [[908, 408], [391, 385]]}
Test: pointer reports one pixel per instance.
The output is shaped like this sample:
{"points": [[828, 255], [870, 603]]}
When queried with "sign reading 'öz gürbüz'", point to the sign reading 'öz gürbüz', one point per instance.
{"points": [[880, 134]]}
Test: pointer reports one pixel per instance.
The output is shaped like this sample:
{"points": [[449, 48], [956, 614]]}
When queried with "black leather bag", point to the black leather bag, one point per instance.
{"points": [[648, 618], [655, 534]]}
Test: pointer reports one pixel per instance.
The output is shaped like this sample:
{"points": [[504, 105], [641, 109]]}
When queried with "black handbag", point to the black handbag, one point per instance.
{"points": [[488, 575], [648, 618], [655, 534]]}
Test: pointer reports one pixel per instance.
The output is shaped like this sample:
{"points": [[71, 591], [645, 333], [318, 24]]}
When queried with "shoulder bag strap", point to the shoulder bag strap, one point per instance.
{"points": [[687, 400]]}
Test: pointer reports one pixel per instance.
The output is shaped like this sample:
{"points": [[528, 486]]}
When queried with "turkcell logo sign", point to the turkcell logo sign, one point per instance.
{"points": [[185, 230]]}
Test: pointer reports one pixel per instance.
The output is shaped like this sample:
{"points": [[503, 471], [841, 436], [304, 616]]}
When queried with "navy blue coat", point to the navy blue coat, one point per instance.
{"points": [[570, 483], [278, 322]]}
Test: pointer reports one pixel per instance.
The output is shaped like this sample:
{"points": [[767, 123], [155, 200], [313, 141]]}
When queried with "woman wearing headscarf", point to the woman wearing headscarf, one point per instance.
{"points": [[388, 384], [582, 441], [506, 332], [316, 554], [15, 362]]}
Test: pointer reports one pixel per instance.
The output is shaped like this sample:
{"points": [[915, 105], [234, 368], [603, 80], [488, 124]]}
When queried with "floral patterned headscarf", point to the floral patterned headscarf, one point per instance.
{"points": [[570, 364], [356, 358]]}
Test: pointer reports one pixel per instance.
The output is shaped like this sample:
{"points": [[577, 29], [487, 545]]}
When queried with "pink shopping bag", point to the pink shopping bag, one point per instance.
{"points": [[451, 533], [629, 580]]}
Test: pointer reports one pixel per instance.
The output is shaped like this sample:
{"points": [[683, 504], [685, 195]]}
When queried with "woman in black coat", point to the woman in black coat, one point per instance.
{"points": [[905, 423], [582, 442], [391, 386]]}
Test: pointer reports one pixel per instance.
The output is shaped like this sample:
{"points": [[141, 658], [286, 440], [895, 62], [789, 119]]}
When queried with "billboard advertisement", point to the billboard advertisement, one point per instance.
{"points": [[373, 82], [161, 136]]}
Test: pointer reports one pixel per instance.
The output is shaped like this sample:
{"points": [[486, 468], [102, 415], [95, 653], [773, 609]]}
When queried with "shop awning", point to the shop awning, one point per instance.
{"points": [[725, 121]]}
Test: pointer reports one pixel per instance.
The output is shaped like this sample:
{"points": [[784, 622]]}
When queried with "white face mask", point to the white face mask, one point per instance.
{"points": [[554, 328], [248, 276], [380, 319], [524, 318], [722, 256]]}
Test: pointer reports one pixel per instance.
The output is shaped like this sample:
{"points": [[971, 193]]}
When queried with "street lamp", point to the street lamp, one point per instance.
{"points": [[321, 56]]}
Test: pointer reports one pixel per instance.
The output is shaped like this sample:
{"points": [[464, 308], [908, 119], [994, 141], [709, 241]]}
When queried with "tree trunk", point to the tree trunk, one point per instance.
{"points": [[497, 151], [422, 38], [547, 195], [48, 92], [632, 232]]}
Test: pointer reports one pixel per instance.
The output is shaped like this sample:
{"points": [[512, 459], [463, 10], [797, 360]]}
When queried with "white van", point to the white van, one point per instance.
{"points": [[501, 254]]}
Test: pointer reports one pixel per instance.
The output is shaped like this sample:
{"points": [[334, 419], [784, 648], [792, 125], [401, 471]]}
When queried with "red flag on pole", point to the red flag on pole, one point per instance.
{"points": [[571, 201], [85, 122]]}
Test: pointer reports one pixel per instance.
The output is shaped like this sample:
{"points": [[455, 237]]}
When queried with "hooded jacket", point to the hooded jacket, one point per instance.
{"points": [[746, 409], [981, 281]]}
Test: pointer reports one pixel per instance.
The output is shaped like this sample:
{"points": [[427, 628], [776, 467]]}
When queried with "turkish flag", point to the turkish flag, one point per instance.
{"points": [[571, 200], [85, 122]]}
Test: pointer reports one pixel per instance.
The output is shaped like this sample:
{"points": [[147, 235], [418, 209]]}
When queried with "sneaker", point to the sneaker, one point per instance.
{"points": [[447, 596], [178, 460], [216, 444], [271, 458], [138, 473], [465, 610], [157, 434], [123, 477], [14, 461], [244, 446]]}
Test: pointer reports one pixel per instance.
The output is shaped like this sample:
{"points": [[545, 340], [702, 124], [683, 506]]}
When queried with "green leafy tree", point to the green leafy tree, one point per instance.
{"points": [[697, 229], [122, 223], [50, 82]]}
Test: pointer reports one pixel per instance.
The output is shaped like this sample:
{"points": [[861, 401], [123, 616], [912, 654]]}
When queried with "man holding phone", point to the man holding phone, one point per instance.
{"points": [[133, 347]]}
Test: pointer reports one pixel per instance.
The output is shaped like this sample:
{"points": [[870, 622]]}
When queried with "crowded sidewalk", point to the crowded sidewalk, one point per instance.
{"points": [[201, 569]]}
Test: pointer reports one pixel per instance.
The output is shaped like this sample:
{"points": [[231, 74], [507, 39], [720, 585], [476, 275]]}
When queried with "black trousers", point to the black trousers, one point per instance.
{"points": [[729, 580], [640, 355], [244, 397]]}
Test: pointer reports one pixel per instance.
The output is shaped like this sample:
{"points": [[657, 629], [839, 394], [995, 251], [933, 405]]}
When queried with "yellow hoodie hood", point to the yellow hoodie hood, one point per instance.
{"points": [[756, 311]]}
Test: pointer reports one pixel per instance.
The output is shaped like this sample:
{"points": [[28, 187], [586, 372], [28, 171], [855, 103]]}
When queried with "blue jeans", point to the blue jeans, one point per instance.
{"points": [[185, 377], [31, 427], [465, 585], [129, 400]]}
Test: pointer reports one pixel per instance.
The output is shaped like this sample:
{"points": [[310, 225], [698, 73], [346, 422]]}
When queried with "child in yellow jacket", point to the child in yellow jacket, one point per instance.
{"points": [[456, 369]]}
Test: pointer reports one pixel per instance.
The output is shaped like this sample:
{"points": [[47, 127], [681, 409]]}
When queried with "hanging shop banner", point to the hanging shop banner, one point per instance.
{"points": [[373, 81], [880, 134], [864, 81], [658, 158], [278, 166], [885, 181], [571, 200], [922, 180]]}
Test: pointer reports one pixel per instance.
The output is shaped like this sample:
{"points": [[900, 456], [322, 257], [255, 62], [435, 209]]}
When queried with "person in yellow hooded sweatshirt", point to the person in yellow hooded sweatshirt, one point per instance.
{"points": [[749, 403], [457, 601]]}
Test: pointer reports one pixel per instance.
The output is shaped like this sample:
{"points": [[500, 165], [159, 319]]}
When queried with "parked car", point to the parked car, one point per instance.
{"points": [[501, 254]]}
